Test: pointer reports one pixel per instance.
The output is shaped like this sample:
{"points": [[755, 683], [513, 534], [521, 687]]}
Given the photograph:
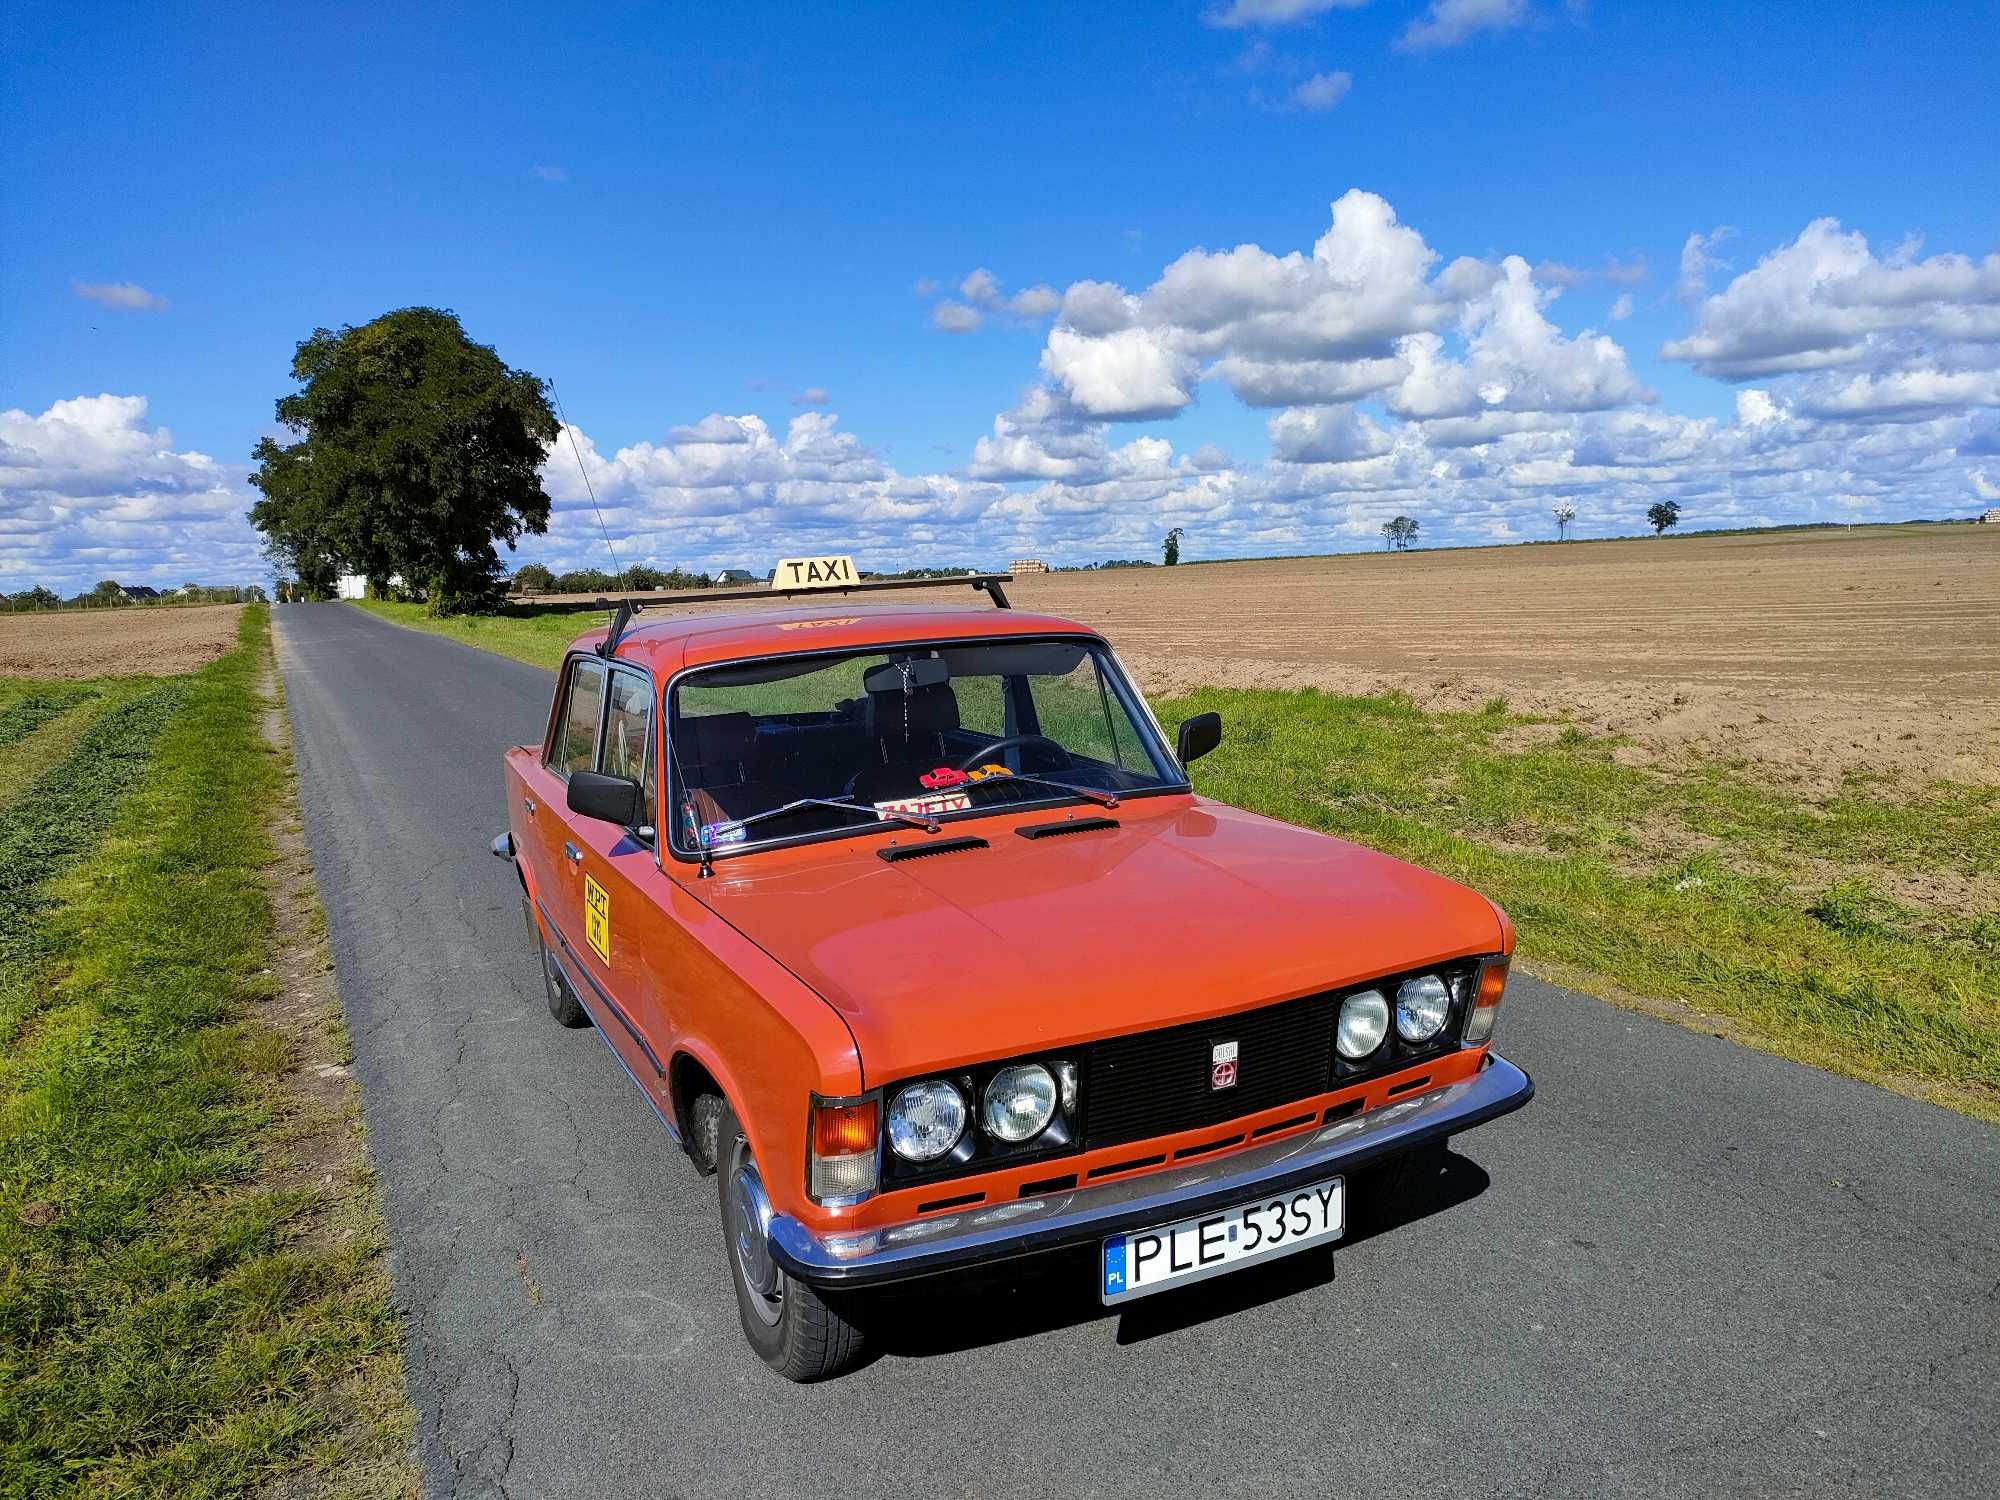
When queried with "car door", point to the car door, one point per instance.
{"points": [[621, 889], [574, 731]]}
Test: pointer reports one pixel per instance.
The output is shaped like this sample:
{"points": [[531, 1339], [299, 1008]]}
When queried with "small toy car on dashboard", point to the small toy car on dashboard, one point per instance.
{"points": [[909, 924]]}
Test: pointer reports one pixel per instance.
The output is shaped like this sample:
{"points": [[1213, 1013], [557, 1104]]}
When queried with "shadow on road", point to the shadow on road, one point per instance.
{"points": [[1024, 1298]]}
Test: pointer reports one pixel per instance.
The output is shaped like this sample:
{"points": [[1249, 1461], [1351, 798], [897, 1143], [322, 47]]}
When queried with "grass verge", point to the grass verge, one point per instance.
{"points": [[183, 1310], [1857, 930], [526, 632]]}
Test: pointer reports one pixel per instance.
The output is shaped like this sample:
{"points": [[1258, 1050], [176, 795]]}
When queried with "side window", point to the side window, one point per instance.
{"points": [[576, 739], [627, 730]]}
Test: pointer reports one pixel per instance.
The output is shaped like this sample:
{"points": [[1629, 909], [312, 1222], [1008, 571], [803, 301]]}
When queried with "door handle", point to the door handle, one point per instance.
{"points": [[571, 853], [529, 803]]}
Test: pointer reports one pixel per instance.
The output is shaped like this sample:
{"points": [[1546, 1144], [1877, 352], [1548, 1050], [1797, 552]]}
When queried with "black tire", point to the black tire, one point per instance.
{"points": [[794, 1330], [563, 1004], [704, 1125]]}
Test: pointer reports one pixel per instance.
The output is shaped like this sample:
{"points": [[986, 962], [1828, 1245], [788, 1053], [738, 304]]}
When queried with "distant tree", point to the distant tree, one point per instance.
{"points": [[255, 594], [417, 450], [586, 581], [1171, 547], [36, 598], [1663, 514], [534, 576], [108, 591], [1400, 533], [1564, 514]]}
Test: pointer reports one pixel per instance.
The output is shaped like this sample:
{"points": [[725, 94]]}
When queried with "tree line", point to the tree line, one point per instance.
{"points": [[109, 593]]}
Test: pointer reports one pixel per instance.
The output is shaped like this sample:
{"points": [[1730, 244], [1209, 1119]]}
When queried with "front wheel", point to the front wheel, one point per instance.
{"points": [[794, 1330], [563, 1004]]}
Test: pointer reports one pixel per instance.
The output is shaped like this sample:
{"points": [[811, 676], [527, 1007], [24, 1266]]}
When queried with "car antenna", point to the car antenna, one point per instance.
{"points": [[626, 608]]}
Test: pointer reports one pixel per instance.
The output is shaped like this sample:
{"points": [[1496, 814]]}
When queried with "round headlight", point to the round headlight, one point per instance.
{"points": [[926, 1120], [1364, 1021], [1421, 1007], [1019, 1102]]}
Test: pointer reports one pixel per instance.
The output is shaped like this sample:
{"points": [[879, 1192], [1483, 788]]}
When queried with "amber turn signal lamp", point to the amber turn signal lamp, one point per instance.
{"points": [[844, 1129], [841, 1161], [1486, 1005]]}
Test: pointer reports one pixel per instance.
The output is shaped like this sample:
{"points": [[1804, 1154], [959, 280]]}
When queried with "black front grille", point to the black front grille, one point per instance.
{"points": [[1157, 1082]]}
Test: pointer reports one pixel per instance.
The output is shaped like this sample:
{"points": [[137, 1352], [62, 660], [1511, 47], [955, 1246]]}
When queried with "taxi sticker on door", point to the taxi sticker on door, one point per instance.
{"points": [[597, 918]]}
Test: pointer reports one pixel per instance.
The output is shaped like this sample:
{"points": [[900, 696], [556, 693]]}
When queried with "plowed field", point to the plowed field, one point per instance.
{"points": [[1821, 650]]}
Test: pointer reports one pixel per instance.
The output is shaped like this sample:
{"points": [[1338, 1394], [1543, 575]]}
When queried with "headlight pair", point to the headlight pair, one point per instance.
{"points": [[927, 1119], [1423, 1004]]}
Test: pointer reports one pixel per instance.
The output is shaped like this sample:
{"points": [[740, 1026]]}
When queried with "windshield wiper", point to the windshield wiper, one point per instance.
{"points": [[928, 825], [1089, 794]]}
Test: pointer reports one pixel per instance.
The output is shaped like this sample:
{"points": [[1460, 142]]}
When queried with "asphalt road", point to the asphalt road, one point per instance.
{"points": [[1685, 1269]]}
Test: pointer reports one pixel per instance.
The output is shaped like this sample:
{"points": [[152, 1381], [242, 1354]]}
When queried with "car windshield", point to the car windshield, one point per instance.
{"points": [[934, 731]]}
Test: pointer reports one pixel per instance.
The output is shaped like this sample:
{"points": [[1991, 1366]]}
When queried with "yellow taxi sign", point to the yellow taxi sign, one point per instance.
{"points": [[815, 573], [597, 919]]}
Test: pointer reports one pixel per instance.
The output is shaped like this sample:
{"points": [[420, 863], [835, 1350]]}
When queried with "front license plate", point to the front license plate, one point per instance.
{"points": [[1153, 1260]]}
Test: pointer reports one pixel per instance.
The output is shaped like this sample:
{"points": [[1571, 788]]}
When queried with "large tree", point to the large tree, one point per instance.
{"points": [[1663, 514], [417, 450]]}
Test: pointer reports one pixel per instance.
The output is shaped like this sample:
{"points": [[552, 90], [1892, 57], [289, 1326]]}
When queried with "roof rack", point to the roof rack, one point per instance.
{"points": [[627, 606]]}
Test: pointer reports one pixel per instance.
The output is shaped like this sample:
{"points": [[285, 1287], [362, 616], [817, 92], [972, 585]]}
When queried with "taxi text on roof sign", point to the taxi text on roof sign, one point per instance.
{"points": [[815, 573]]}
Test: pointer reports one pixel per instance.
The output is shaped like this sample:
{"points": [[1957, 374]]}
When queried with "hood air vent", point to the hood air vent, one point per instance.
{"points": [[895, 852], [1067, 825]]}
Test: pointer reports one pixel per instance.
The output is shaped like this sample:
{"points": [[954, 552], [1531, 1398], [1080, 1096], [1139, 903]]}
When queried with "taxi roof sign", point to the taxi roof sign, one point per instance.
{"points": [[794, 573], [988, 584]]}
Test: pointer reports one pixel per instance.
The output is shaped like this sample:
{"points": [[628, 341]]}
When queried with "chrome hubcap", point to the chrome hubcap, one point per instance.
{"points": [[752, 1212]]}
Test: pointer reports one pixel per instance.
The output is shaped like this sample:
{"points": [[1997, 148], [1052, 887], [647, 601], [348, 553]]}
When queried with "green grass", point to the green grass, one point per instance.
{"points": [[174, 1318], [526, 632], [1858, 929]]}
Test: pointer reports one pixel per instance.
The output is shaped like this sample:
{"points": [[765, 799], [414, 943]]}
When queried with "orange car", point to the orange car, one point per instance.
{"points": [[908, 923]]}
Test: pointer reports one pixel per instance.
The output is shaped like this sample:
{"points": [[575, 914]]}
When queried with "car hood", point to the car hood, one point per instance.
{"points": [[1187, 909]]}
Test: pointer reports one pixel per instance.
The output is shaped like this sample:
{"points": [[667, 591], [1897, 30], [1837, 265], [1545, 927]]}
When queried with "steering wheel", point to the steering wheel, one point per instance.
{"points": [[966, 763]]}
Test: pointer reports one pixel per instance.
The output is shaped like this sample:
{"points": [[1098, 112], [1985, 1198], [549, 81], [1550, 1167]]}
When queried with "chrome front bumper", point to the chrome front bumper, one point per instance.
{"points": [[1000, 1231]]}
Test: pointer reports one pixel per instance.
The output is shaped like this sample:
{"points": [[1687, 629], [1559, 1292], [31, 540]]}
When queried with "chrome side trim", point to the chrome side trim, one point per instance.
{"points": [[1024, 1226]]}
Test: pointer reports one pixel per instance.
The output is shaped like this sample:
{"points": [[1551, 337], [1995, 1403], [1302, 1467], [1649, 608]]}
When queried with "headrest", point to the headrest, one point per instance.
{"points": [[931, 710], [712, 740]]}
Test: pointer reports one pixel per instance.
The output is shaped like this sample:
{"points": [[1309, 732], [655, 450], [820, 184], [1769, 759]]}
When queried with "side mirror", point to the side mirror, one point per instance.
{"points": [[1197, 736], [611, 799]]}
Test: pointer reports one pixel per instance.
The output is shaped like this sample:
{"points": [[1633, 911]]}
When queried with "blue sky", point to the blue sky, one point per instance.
{"points": [[767, 215]]}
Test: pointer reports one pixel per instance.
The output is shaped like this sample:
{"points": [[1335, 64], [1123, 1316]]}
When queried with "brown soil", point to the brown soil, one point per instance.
{"points": [[1814, 652], [105, 642]]}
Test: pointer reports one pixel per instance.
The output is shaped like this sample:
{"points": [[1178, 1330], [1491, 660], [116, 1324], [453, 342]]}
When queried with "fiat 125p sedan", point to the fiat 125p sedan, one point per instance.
{"points": [[909, 924]]}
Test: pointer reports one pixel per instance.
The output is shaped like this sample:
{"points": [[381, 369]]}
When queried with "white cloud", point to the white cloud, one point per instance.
{"points": [[1698, 262], [1361, 316], [121, 296], [925, 286], [1621, 309], [1322, 91], [984, 296], [89, 490], [956, 317], [812, 395], [1241, 13], [1130, 374], [1826, 301], [981, 288], [1449, 22]]}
